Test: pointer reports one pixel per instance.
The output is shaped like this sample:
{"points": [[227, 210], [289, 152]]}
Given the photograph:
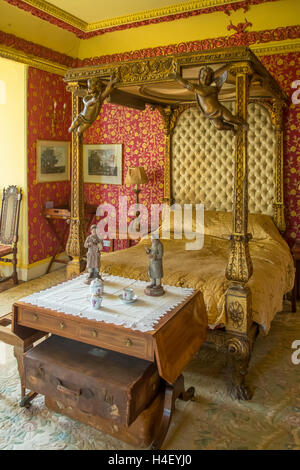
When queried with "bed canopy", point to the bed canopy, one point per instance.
{"points": [[147, 81], [203, 164]]}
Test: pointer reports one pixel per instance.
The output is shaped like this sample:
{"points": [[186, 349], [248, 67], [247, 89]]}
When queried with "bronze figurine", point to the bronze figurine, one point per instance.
{"points": [[207, 99], [155, 270], [93, 100], [94, 244]]}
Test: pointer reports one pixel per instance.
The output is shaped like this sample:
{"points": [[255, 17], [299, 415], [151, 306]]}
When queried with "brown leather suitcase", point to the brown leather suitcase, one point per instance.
{"points": [[95, 381], [141, 433]]}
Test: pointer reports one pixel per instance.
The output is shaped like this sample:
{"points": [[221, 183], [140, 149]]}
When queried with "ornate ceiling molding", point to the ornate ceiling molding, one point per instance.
{"points": [[22, 49], [33, 61], [262, 43], [84, 30], [255, 39], [262, 49]]}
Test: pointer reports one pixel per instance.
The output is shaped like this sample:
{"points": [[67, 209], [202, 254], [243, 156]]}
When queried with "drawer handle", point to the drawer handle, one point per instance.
{"points": [[94, 333], [128, 342], [35, 317], [62, 325]]}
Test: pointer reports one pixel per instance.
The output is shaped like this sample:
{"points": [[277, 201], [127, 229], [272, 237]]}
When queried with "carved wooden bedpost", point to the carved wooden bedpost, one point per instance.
{"points": [[170, 117], [166, 114], [167, 169], [239, 268], [75, 243], [277, 117]]}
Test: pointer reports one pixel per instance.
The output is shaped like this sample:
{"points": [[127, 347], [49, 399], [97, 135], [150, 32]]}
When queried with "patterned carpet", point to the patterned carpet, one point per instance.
{"points": [[8, 297], [271, 420]]}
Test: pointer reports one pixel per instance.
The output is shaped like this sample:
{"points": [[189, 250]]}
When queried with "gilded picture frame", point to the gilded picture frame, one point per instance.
{"points": [[102, 163], [52, 161]]}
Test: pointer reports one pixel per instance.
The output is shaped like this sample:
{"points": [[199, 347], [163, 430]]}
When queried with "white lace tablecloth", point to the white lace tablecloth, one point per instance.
{"points": [[73, 297]]}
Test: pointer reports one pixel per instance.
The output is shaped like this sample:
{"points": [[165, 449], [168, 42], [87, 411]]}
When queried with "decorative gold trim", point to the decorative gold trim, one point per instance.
{"points": [[170, 117], [157, 13], [281, 48], [153, 69], [239, 268], [277, 117], [166, 114], [238, 309], [58, 13], [75, 243], [125, 19], [33, 61]]}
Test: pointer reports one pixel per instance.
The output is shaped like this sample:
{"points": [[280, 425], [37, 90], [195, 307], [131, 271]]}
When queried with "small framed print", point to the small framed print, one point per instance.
{"points": [[103, 163], [53, 160]]}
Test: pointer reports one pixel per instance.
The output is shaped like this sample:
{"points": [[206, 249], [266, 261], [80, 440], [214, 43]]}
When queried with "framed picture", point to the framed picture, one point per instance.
{"points": [[103, 163], [52, 161]]}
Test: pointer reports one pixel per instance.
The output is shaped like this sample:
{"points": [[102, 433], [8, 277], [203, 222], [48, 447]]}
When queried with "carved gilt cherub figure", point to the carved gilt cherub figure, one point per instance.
{"points": [[208, 101], [93, 100], [94, 244], [155, 270]]}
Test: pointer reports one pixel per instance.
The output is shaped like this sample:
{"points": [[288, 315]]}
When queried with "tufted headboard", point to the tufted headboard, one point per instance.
{"points": [[202, 168]]}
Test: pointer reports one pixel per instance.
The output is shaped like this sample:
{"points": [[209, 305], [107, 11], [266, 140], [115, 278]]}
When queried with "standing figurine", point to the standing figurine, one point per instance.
{"points": [[155, 270], [94, 244], [208, 101], [96, 94]]}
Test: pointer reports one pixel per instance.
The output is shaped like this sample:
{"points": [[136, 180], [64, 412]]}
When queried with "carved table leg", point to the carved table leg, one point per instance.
{"points": [[19, 355], [172, 392]]}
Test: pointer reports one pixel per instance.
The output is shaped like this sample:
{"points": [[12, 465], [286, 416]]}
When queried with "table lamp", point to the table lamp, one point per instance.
{"points": [[136, 175]]}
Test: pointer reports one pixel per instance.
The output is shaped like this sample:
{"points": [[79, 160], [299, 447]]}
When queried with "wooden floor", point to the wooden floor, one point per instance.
{"points": [[8, 285]]}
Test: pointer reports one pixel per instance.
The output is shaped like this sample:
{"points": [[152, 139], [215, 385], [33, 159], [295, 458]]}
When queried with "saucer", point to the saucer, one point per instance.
{"points": [[134, 298]]}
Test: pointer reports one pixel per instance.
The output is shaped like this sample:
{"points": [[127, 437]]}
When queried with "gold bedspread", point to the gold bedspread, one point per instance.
{"points": [[273, 269]]}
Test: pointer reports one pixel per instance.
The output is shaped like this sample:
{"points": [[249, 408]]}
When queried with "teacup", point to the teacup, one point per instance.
{"points": [[96, 301], [127, 294]]}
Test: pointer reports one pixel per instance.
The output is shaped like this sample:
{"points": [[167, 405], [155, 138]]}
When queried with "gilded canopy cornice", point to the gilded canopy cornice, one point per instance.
{"points": [[135, 73]]}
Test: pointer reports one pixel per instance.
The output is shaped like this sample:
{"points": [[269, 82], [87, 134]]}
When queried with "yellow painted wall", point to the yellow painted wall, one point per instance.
{"points": [[263, 16], [15, 21], [13, 132], [268, 15]]}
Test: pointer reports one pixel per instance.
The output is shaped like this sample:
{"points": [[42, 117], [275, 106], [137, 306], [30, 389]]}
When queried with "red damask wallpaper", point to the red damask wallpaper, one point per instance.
{"points": [[142, 137], [285, 68], [43, 89]]}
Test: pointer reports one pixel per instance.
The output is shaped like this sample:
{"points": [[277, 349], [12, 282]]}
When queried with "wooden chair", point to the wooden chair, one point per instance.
{"points": [[9, 227]]}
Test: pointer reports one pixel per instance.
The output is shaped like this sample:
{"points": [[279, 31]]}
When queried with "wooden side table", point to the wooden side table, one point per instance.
{"points": [[63, 213], [172, 343], [57, 214], [296, 289]]}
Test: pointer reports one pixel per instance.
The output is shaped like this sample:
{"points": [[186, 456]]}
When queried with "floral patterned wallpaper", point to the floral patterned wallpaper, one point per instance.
{"points": [[141, 134], [285, 68], [142, 137], [43, 89]]}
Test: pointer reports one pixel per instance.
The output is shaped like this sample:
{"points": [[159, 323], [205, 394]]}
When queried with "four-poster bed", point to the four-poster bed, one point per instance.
{"points": [[217, 177]]}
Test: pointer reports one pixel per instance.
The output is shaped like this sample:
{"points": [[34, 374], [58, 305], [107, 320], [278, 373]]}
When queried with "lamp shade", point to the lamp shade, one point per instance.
{"points": [[136, 175]]}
